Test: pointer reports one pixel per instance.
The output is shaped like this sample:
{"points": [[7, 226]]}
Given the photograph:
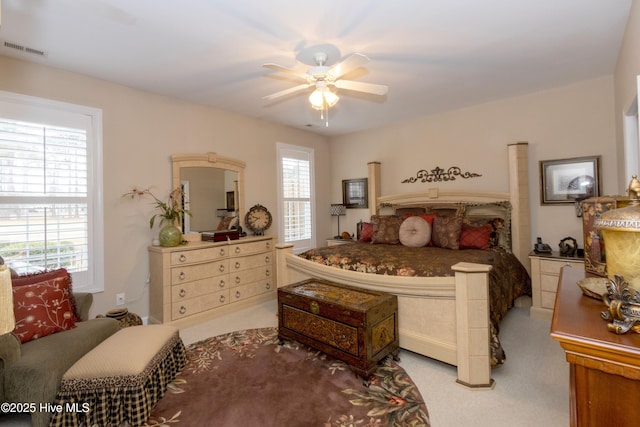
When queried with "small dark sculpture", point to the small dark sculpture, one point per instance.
{"points": [[568, 246]]}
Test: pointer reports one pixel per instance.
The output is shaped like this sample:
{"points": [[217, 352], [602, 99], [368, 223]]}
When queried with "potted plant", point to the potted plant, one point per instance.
{"points": [[171, 212]]}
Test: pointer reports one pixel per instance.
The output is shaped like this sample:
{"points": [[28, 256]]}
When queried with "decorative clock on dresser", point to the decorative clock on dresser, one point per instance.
{"points": [[201, 280]]}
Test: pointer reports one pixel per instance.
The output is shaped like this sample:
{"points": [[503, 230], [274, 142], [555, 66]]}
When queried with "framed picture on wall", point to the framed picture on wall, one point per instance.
{"points": [[355, 193], [231, 201], [568, 180]]}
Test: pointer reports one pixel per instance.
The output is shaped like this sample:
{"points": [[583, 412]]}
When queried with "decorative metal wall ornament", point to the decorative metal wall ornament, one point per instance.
{"points": [[438, 175], [623, 305]]}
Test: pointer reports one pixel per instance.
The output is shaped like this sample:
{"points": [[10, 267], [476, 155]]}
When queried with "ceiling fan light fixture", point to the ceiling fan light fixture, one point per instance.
{"points": [[317, 99], [323, 98], [331, 98]]}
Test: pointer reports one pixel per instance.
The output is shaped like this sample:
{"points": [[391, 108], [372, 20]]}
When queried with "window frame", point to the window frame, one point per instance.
{"points": [[300, 245], [93, 280]]}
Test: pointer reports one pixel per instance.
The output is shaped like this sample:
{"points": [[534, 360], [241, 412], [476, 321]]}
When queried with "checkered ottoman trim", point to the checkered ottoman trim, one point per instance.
{"points": [[114, 400]]}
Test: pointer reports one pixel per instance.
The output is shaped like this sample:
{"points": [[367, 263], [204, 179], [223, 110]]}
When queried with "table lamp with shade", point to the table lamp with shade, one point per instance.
{"points": [[338, 209]]}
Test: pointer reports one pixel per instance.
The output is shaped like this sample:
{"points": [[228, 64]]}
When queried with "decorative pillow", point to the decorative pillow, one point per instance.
{"points": [[475, 237], [43, 307], [446, 232], [386, 229], [497, 228], [366, 232], [500, 214], [415, 232], [52, 276], [428, 217]]}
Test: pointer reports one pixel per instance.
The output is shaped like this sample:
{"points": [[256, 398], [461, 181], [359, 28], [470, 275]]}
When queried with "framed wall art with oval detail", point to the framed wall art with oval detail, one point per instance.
{"points": [[568, 180]]}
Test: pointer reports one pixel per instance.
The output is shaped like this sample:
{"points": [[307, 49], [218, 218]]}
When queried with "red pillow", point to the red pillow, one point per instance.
{"points": [[43, 304], [366, 232], [49, 275], [427, 217], [475, 237]]}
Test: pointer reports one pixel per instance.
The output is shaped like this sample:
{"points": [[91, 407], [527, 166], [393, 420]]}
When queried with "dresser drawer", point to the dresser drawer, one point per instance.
{"points": [[200, 255], [196, 288], [202, 303], [247, 262], [554, 266], [548, 283], [245, 277], [189, 273], [251, 290], [242, 249]]}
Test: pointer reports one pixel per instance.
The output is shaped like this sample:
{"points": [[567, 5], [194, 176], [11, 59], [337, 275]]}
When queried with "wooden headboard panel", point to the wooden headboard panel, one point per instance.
{"points": [[518, 197]]}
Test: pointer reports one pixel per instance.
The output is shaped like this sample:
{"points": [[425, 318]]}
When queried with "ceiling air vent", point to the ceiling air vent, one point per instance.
{"points": [[24, 48]]}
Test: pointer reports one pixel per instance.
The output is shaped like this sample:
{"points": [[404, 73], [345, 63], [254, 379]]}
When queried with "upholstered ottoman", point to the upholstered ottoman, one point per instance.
{"points": [[121, 379]]}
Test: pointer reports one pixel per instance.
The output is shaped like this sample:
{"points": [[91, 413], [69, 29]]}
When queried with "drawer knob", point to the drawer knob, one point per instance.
{"points": [[237, 249], [267, 273], [314, 307], [182, 276], [221, 268], [182, 293], [183, 310], [268, 245], [222, 283], [238, 280], [222, 298], [267, 259], [182, 258], [268, 286], [221, 251], [237, 264], [237, 294]]}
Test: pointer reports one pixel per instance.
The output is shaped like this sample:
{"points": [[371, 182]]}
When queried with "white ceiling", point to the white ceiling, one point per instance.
{"points": [[435, 55]]}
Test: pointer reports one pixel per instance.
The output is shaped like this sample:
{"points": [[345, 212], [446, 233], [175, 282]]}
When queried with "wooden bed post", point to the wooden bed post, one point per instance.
{"points": [[519, 196], [374, 186], [473, 333]]}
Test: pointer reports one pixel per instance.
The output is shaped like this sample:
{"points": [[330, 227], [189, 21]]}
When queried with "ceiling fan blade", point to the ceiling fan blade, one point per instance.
{"points": [[287, 91], [276, 67], [362, 87], [351, 63]]}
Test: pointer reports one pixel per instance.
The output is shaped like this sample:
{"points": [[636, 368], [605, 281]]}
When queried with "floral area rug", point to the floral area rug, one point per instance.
{"points": [[247, 378]]}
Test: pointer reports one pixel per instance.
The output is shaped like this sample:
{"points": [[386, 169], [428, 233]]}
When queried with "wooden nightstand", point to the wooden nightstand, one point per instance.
{"points": [[545, 271], [336, 242]]}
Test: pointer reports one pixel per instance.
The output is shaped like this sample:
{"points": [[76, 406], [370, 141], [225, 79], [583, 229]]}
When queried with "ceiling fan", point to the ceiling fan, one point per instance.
{"points": [[326, 80]]}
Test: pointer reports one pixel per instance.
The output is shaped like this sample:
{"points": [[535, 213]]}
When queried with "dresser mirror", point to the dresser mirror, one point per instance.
{"points": [[213, 189]]}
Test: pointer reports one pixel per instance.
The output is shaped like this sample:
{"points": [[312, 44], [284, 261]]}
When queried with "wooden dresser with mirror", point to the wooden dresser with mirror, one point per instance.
{"points": [[203, 279]]}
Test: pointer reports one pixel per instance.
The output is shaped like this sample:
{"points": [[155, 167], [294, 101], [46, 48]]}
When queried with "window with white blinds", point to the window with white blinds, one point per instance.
{"points": [[296, 196], [49, 189]]}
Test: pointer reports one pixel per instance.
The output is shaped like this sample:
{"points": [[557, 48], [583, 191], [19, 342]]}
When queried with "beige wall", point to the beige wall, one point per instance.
{"points": [[140, 132], [626, 88], [571, 121]]}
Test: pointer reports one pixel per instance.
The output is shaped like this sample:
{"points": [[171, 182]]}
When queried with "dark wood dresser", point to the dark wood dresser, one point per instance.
{"points": [[604, 366], [357, 326]]}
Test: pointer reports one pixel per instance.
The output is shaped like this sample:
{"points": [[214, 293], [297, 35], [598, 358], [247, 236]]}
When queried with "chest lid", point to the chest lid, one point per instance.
{"points": [[341, 295]]}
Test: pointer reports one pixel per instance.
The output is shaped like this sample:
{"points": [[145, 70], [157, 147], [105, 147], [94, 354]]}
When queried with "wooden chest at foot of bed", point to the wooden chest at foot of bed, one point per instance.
{"points": [[357, 326]]}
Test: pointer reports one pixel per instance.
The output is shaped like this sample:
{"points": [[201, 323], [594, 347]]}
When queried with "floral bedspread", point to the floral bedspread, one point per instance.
{"points": [[508, 278]]}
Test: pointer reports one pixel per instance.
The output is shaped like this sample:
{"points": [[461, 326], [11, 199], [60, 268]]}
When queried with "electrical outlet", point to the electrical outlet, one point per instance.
{"points": [[120, 299]]}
